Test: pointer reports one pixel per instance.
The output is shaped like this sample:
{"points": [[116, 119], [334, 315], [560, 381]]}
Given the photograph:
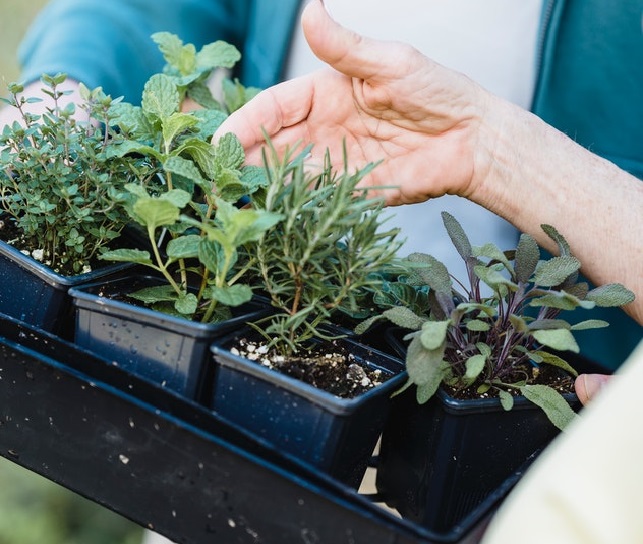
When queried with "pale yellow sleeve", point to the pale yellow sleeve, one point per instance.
{"points": [[587, 486]]}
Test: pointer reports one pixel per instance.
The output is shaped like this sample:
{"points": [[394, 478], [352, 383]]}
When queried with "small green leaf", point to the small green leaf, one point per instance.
{"points": [[230, 153], [552, 402], [494, 253], [474, 366], [157, 293], [425, 367], [589, 324], [559, 339], [160, 97], [127, 256], [156, 212], [506, 400], [477, 325], [610, 295], [176, 124], [434, 333], [217, 55], [184, 167], [553, 360], [233, 295], [556, 270], [186, 304], [561, 300], [183, 247]]}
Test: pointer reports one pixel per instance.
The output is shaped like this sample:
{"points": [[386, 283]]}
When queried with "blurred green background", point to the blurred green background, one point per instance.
{"points": [[32, 509]]}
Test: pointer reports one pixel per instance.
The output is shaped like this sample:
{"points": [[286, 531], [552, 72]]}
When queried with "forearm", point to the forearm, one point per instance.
{"points": [[533, 174]]}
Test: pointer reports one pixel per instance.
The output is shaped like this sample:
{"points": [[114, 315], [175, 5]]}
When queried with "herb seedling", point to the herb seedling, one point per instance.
{"points": [[59, 184], [320, 258], [472, 342]]}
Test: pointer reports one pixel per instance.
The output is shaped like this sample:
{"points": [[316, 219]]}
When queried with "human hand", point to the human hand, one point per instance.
{"points": [[587, 386], [386, 101]]}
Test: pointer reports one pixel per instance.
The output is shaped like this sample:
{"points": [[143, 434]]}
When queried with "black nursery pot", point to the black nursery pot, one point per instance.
{"points": [[162, 348], [35, 294], [441, 459], [337, 435]]}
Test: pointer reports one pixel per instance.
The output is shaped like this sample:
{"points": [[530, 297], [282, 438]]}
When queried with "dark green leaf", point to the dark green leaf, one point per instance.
{"points": [[556, 270], [526, 259], [458, 236]]}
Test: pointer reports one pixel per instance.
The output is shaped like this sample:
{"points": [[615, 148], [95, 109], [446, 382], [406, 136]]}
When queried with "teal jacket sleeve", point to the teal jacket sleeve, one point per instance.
{"points": [[107, 42]]}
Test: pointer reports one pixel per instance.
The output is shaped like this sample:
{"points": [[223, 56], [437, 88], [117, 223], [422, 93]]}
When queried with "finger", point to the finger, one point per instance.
{"points": [[587, 386], [346, 51], [272, 110]]}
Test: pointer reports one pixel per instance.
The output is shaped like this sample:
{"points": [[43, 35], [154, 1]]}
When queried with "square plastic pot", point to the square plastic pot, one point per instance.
{"points": [[441, 459], [337, 435], [165, 349], [35, 294]]}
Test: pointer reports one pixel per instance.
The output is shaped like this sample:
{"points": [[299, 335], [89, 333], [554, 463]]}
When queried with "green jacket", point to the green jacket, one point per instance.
{"points": [[589, 85]]}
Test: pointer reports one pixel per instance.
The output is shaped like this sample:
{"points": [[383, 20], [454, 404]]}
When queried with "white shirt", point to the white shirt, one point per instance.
{"points": [[493, 42]]}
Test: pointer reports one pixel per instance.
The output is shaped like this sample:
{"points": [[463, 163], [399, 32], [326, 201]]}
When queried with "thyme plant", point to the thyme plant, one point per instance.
{"points": [[59, 184], [200, 183], [469, 341]]}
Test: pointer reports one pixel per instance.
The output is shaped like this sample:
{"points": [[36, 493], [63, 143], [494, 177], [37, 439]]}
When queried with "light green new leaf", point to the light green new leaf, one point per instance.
{"points": [[555, 270], [560, 339], [557, 409], [186, 304], [493, 252], [611, 294], [526, 259], [181, 57], [154, 212], [127, 256], [493, 277], [474, 366], [506, 400], [518, 323], [160, 97], [175, 125], [477, 325], [425, 367], [217, 55], [434, 333]]}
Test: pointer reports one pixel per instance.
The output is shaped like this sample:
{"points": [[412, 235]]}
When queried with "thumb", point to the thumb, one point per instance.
{"points": [[346, 51], [587, 386]]}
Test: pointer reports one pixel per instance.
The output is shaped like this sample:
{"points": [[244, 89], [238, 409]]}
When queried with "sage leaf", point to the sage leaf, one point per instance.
{"points": [[553, 360], [556, 270], [559, 339], [506, 400], [557, 409], [526, 258], [458, 236], [474, 366], [425, 367], [434, 333], [611, 294]]}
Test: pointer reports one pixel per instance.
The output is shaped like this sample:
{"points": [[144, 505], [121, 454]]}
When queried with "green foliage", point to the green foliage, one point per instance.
{"points": [[325, 252], [467, 340], [59, 182], [194, 204]]}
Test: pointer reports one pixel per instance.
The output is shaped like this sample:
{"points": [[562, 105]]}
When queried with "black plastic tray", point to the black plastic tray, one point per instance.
{"points": [[169, 464]]}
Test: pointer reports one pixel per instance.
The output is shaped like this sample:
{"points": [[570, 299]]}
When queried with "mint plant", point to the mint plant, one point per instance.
{"points": [[199, 185], [476, 344], [320, 259], [59, 184]]}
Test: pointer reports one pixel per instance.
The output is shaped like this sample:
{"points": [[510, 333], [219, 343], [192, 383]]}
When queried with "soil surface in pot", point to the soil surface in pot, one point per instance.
{"points": [[329, 367], [544, 374]]}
